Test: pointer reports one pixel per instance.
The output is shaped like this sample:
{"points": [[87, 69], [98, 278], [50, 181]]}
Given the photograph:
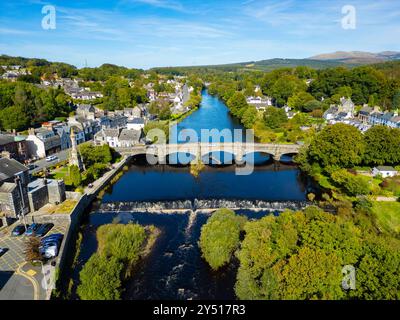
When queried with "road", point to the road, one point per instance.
{"points": [[41, 164]]}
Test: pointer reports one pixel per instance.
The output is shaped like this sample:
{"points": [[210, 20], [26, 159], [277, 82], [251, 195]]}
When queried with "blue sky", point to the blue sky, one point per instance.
{"points": [[149, 33]]}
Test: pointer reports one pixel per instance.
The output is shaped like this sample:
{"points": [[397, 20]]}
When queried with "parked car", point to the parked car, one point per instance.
{"points": [[18, 230], [32, 229], [51, 158], [3, 251], [53, 237], [50, 245], [43, 229], [51, 251]]}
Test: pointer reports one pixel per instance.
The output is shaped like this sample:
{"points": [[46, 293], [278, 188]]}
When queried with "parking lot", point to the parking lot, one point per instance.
{"points": [[18, 279]]}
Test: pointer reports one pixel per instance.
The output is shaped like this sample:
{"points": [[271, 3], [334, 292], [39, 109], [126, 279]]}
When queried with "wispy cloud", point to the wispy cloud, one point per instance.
{"points": [[14, 31], [164, 4]]}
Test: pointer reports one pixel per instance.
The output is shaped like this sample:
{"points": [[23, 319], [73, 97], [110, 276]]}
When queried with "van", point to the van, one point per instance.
{"points": [[51, 158]]}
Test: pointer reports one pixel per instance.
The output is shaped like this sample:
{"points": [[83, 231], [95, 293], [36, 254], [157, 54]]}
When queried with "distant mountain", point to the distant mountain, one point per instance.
{"points": [[263, 65], [358, 57]]}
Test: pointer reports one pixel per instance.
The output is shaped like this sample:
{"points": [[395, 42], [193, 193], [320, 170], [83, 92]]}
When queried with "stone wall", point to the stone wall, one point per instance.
{"points": [[38, 197], [56, 192]]}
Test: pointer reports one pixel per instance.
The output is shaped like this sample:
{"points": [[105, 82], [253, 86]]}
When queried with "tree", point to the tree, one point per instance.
{"points": [[100, 279], [352, 184], [285, 87], [310, 274], [249, 117], [75, 177], [14, 118], [263, 246], [339, 145], [274, 117], [378, 271], [382, 146], [32, 252], [123, 242], [299, 100], [396, 100], [95, 154], [300, 255], [237, 104], [220, 237], [312, 105]]}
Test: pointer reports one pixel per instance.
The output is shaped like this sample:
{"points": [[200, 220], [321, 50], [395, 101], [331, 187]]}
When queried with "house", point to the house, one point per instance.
{"points": [[62, 130], [394, 122], [85, 128], [42, 142], [364, 114], [136, 124], [381, 118], [331, 113], [10, 76], [14, 180], [118, 137], [129, 138], [117, 121], [135, 112], [87, 95], [107, 136], [15, 146], [86, 111], [260, 103], [384, 171]]}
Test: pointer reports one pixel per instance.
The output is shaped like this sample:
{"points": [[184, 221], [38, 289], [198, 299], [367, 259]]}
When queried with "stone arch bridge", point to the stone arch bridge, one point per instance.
{"points": [[201, 150]]}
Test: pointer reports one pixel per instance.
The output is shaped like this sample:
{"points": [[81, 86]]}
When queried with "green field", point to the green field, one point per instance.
{"points": [[388, 215]]}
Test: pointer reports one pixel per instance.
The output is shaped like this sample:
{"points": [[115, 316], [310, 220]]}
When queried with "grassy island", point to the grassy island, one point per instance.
{"points": [[120, 247]]}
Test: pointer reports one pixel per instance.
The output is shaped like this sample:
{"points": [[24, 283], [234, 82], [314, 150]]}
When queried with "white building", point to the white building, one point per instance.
{"points": [[135, 124], [384, 171]]}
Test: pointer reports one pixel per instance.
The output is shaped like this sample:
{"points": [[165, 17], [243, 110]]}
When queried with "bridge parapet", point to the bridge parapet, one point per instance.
{"points": [[238, 149]]}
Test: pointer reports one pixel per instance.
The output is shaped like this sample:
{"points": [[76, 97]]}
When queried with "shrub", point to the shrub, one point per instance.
{"points": [[100, 279], [220, 237]]}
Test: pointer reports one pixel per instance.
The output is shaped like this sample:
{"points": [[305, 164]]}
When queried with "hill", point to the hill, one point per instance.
{"points": [[358, 57]]}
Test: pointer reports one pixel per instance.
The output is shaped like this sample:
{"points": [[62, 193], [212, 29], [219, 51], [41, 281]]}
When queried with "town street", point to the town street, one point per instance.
{"points": [[41, 164]]}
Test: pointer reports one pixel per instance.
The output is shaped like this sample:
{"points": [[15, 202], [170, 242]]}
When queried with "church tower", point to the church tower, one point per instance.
{"points": [[75, 157]]}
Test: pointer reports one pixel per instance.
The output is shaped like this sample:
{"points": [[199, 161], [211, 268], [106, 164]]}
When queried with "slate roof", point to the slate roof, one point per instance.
{"points": [[130, 135], [386, 168], [6, 139], [10, 167]]}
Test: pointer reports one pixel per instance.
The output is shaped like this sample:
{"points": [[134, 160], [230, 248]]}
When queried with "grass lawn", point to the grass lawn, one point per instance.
{"points": [[388, 215], [60, 173], [65, 207]]}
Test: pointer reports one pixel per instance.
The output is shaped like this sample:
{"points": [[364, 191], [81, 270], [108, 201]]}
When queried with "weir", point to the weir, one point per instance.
{"points": [[196, 204]]}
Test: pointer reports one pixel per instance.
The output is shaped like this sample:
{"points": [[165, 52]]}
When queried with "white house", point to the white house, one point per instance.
{"points": [[384, 171], [42, 142], [135, 124]]}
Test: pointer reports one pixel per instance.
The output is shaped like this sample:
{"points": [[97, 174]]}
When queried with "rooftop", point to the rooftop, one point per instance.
{"points": [[9, 168], [386, 168]]}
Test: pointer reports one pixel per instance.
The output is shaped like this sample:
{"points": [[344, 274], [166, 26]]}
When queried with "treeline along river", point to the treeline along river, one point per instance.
{"points": [[175, 269]]}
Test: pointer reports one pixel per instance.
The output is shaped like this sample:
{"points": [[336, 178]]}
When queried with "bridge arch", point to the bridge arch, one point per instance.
{"points": [[257, 158], [218, 158], [179, 158]]}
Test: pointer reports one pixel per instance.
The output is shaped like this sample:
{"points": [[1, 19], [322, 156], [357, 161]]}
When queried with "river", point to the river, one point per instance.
{"points": [[175, 268]]}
